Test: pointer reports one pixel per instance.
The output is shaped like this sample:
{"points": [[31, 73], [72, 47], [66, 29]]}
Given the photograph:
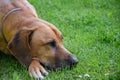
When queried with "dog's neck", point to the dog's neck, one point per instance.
{"points": [[3, 20], [11, 26]]}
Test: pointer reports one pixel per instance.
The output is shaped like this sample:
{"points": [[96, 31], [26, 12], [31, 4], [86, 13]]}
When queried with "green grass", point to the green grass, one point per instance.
{"points": [[91, 30]]}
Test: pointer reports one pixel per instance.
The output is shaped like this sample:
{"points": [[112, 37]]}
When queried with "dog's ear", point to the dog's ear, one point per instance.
{"points": [[54, 29], [19, 46]]}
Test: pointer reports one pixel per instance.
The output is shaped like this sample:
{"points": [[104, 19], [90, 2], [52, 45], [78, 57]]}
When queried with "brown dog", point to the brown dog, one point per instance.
{"points": [[34, 42]]}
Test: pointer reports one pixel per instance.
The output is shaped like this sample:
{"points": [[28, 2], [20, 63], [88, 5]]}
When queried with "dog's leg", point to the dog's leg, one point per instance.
{"points": [[36, 70]]}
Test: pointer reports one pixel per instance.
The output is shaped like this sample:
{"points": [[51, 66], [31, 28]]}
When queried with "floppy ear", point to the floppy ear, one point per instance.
{"points": [[55, 30], [19, 46]]}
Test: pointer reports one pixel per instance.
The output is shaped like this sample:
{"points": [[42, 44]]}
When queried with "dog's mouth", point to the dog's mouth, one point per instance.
{"points": [[50, 66], [61, 64], [55, 68]]}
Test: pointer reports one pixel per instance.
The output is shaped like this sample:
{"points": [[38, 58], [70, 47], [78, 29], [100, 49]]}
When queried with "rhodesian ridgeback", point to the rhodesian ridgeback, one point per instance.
{"points": [[35, 43]]}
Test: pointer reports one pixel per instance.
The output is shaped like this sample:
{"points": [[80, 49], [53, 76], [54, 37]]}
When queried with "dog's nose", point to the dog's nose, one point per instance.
{"points": [[72, 60]]}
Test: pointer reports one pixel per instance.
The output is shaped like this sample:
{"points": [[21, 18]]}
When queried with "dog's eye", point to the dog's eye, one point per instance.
{"points": [[52, 44], [62, 36]]}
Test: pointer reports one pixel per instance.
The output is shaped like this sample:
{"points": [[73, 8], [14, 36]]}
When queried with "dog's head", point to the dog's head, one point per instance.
{"points": [[43, 43]]}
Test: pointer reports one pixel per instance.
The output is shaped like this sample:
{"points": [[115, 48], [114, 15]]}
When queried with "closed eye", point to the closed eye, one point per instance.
{"points": [[62, 36], [52, 44]]}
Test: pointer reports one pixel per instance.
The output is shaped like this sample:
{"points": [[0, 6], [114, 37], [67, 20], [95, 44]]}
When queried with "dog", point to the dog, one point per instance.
{"points": [[34, 42]]}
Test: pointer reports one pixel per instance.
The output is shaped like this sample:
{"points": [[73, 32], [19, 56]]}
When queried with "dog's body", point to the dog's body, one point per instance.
{"points": [[31, 40], [14, 20]]}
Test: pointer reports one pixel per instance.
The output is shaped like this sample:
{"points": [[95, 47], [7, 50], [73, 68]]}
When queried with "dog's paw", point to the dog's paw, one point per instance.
{"points": [[37, 71], [36, 74]]}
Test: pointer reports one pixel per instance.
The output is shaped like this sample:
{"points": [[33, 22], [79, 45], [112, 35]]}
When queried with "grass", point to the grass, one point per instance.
{"points": [[91, 30]]}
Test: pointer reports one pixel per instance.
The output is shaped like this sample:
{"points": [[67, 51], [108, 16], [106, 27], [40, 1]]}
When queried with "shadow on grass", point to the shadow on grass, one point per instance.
{"points": [[8, 65]]}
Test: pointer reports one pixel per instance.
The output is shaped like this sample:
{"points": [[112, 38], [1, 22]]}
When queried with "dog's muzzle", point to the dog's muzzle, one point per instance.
{"points": [[72, 60], [69, 62]]}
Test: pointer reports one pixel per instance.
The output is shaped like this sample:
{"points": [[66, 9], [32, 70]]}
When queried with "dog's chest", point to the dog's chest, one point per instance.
{"points": [[3, 46]]}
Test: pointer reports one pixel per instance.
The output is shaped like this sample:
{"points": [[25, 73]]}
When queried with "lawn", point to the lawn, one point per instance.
{"points": [[91, 30]]}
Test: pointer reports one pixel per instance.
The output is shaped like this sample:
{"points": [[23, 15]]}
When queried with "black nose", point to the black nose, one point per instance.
{"points": [[72, 60]]}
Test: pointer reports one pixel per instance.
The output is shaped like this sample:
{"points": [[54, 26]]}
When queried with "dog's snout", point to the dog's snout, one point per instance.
{"points": [[72, 60]]}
